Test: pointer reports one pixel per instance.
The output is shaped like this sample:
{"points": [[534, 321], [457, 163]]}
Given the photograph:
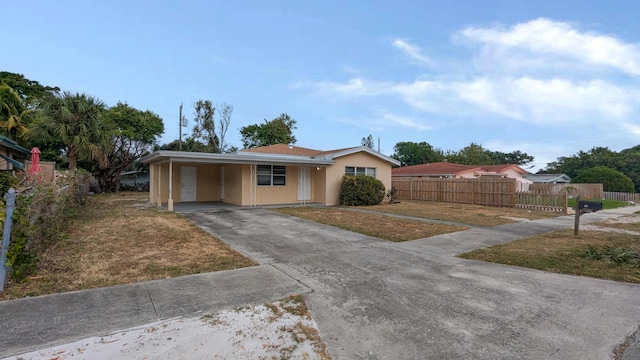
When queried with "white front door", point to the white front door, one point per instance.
{"points": [[187, 183], [304, 183]]}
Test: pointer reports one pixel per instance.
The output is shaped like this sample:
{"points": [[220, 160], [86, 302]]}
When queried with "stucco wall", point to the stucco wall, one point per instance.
{"points": [[361, 159], [233, 188]]}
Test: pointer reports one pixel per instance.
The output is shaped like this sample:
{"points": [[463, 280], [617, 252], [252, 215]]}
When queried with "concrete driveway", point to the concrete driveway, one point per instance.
{"points": [[373, 299]]}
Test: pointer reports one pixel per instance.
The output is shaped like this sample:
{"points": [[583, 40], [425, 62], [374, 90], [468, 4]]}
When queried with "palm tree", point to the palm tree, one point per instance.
{"points": [[13, 112], [76, 120]]}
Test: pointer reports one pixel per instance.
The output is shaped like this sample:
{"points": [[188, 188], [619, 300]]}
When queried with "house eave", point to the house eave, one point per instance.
{"points": [[163, 156]]}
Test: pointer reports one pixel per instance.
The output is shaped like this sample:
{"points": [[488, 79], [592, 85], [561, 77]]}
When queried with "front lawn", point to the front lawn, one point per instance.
{"points": [[376, 225], [608, 253], [120, 239], [461, 213]]}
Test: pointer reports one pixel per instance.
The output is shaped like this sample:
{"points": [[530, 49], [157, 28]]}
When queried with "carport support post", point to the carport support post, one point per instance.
{"points": [[170, 201], [159, 182], [576, 221]]}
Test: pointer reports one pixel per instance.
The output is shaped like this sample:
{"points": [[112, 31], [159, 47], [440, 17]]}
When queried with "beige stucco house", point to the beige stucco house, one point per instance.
{"points": [[276, 174]]}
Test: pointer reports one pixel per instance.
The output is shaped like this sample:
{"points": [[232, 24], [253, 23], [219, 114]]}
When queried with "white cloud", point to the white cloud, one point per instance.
{"points": [[353, 87], [412, 51], [385, 121], [543, 37]]}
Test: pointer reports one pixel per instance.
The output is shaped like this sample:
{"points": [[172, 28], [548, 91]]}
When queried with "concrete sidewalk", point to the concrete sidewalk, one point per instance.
{"points": [[34, 323]]}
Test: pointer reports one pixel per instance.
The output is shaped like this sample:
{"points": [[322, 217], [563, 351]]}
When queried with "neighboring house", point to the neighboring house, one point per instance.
{"points": [[12, 155], [276, 174], [548, 178], [451, 170]]}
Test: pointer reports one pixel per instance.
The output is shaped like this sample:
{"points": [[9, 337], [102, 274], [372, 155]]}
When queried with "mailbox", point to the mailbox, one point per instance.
{"points": [[589, 206]]}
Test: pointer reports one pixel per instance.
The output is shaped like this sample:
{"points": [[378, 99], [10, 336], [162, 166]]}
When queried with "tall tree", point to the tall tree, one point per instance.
{"points": [[411, 153], [14, 114], [472, 154], [32, 93], [206, 129], [224, 122], [367, 141], [77, 121], [205, 125], [516, 157], [276, 131], [135, 134]]}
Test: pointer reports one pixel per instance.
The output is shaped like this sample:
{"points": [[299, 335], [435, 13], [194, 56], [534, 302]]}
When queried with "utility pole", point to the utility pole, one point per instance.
{"points": [[180, 126]]}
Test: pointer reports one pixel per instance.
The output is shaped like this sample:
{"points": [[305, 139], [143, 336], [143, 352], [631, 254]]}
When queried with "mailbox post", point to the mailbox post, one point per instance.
{"points": [[583, 207]]}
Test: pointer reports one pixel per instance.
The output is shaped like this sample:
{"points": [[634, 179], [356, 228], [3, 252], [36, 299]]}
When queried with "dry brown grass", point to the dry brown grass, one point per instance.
{"points": [[562, 252], [461, 213], [376, 225], [119, 239]]}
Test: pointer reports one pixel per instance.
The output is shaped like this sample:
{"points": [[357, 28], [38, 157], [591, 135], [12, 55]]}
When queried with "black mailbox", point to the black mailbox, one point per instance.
{"points": [[589, 206]]}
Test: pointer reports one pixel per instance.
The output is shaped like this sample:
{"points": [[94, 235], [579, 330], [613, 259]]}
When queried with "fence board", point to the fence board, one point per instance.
{"points": [[585, 191], [540, 201], [493, 191], [621, 196]]}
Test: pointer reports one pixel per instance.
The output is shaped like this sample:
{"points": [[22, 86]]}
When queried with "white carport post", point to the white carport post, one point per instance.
{"points": [[170, 201], [159, 184]]}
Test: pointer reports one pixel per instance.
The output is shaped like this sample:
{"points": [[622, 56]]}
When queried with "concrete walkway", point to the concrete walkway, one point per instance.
{"points": [[40, 322], [372, 299]]}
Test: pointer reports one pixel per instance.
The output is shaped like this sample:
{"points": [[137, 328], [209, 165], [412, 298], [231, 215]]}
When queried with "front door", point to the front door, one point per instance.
{"points": [[304, 184], [187, 184]]}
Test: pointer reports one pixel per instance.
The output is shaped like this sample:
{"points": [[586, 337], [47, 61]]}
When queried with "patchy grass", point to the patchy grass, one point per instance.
{"points": [[606, 204], [562, 252], [376, 225], [461, 213], [120, 239], [628, 223]]}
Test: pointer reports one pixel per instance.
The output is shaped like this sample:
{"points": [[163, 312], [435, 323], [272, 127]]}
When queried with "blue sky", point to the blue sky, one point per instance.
{"points": [[545, 77]]}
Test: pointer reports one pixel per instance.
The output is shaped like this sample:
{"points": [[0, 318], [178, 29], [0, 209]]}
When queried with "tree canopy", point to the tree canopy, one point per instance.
{"points": [[626, 161], [411, 153], [135, 132], [367, 141], [31, 92], [276, 131], [611, 180], [76, 120]]}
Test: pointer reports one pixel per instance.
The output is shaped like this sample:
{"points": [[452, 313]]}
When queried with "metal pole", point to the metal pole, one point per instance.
{"points": [[6, 235]]}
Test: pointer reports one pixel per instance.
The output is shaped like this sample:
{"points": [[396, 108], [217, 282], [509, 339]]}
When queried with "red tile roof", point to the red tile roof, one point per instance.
{"points": [[285, 149], [446, 168], [438, 168]]}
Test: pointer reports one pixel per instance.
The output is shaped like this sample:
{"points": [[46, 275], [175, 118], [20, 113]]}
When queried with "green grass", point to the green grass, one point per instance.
{"points": [[606, 204], [596, 254]]}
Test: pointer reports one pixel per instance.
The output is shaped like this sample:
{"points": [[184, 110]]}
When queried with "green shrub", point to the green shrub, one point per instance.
{"points": [[361, 190], [611, 180], [40, 219], [7, 180]]}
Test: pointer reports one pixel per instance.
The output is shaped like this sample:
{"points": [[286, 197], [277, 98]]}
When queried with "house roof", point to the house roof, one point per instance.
{"points": [[12, 144], [451, 169], [273, 154], [548, 178], [433, 169]]}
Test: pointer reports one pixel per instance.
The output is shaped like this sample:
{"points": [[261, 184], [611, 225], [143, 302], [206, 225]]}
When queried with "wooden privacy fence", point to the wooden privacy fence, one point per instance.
{"points": [[494, 191], [585, 191], [621, 196], [541, 201]]}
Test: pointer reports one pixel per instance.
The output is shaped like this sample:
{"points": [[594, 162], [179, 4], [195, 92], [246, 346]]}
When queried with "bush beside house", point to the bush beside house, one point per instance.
{"points": [[361, 190]]}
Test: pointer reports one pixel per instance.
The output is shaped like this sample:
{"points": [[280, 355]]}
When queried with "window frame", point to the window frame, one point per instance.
{"points": [[360, 170], [275, 174]]}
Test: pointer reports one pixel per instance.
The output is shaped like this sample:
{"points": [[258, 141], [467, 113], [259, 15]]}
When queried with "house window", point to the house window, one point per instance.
{"points": [[354, 170], [272, 175]]}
